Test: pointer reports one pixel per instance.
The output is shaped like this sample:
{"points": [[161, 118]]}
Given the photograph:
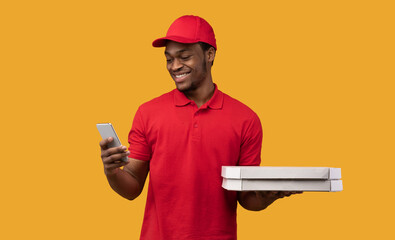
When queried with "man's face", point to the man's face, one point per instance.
{"points": [[186, 64]]}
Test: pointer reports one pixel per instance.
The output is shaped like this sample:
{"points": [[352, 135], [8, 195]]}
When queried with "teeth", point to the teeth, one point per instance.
{"points": [[182, 75]]}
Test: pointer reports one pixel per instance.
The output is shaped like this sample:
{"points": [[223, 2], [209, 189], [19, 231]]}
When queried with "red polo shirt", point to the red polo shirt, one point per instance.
{"points": [[186, 147]]}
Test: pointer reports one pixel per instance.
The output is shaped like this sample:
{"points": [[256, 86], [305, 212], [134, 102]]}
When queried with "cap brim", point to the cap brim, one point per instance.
{"points": [[161, 42]]}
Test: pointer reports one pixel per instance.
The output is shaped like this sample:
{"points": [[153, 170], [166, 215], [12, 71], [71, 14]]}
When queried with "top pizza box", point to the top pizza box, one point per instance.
{"points": [[258, 172]]}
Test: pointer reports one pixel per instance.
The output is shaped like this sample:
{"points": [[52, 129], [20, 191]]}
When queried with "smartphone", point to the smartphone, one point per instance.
{"points": [[106, 130]]}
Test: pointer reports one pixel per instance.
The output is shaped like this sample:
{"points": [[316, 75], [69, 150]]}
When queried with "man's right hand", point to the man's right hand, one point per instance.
{"points": [[111, 157]]}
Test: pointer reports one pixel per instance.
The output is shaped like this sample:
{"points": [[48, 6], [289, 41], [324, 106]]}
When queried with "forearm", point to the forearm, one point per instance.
{"points": [[253, 201], [124, 184]]}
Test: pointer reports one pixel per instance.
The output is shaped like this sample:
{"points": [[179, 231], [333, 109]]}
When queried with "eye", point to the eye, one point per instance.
{"points": [[185, 57], [169, 60]]}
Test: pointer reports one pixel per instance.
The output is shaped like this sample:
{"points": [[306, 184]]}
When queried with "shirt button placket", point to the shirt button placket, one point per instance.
{"points": [[195, 125]]}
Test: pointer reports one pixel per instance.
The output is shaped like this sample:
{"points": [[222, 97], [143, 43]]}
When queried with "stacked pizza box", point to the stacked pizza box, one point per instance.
{"points": [[252, 178]]}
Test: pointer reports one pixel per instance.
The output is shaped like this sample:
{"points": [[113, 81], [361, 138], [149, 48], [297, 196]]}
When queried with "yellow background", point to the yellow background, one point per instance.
{"points": [[318, 73]]}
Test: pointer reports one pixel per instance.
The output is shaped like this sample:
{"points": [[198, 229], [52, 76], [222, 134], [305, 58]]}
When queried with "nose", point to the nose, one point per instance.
{"points": [[175, 65]]}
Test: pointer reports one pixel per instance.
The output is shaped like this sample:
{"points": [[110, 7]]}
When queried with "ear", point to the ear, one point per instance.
{"points": [[210, 54]]}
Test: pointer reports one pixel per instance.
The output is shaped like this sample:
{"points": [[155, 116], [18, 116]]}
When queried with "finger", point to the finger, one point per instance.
{"points": [[107, 162], [103, 143], [296, 192], [115, 165], [280, 194], [287, 194], [111, 151], [115, 157], [267, 194]]}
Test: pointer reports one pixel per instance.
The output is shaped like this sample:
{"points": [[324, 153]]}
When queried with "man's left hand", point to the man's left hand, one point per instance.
{"points": [[274, 195], [259, 200]]}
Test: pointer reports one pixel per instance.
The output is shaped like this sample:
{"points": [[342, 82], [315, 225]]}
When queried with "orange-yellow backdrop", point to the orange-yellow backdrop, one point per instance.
{"points": [[318, 73]]}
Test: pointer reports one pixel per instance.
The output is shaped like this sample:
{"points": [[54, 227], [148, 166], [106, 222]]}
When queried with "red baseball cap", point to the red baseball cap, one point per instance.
{"points": [[188, 29]]}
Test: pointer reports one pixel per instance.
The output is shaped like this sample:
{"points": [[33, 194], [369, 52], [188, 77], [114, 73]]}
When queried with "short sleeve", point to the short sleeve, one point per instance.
{"points": [[138, 144], [250, 149]]}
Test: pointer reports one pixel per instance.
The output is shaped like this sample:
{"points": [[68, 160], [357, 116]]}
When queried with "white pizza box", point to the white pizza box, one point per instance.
{"points": [[282, 185], [257, 172]]}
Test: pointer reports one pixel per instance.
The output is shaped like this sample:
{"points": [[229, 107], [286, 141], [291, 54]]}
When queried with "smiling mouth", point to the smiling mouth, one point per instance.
{"points": [[181, 75]]}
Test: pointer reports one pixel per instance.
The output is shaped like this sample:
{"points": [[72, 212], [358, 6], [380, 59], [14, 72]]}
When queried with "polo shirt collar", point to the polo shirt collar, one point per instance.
{"points": [[215, 102]]}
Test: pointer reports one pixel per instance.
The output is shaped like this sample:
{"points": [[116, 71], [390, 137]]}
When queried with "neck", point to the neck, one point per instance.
{"points": [[201, 94]]}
